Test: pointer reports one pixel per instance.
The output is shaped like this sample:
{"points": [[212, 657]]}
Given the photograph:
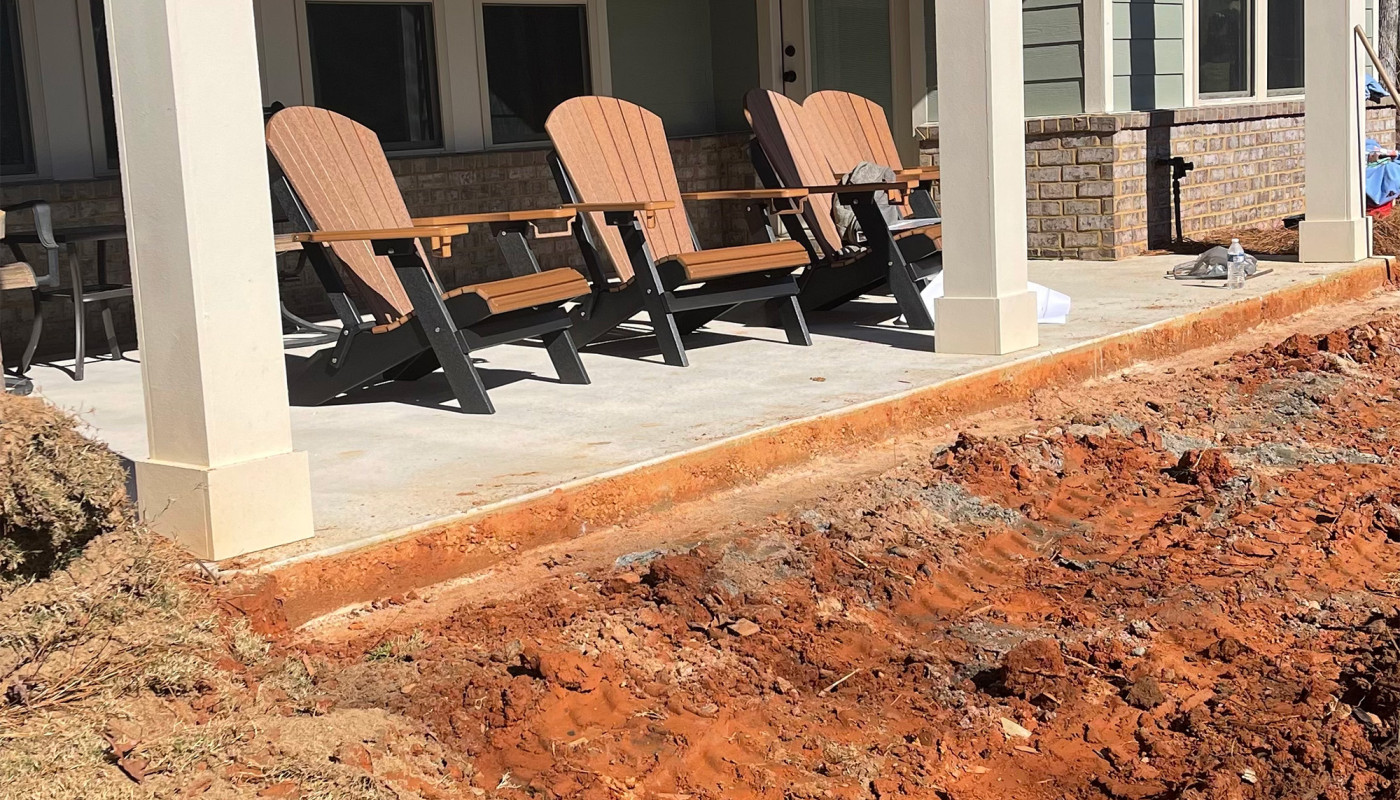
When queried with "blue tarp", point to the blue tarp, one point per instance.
{"points": [[1382, 179]]}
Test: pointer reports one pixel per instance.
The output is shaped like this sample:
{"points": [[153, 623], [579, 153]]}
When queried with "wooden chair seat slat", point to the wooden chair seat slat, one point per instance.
{"points": [[725, 261], [514, 294]]}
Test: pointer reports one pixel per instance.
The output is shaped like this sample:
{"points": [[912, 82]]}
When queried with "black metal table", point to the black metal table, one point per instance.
{"points": [[77, 292]]}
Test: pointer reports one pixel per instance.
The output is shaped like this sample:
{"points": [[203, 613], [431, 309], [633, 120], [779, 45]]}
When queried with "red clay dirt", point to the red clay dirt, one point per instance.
{"points": [[1177, 585], [312, 587]]}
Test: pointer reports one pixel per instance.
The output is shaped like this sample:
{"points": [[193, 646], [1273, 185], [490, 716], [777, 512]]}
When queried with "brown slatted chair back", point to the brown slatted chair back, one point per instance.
{"points": [[338, 169], [796, 147], [616, 152], [856, 130]]}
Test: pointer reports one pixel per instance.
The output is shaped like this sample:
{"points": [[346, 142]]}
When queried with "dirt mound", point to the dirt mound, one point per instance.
{"points": [[1129, 601], [120, 677], [58, 489]]}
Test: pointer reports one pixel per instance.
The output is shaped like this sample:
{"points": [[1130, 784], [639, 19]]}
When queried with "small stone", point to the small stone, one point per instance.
{"points": [[1013, 730], [1145, 693], [1366, 718], [743, 627]]}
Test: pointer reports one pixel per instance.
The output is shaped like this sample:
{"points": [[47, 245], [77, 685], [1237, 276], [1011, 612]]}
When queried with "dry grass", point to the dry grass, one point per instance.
{"points": [[58, 488], [119, 676]]}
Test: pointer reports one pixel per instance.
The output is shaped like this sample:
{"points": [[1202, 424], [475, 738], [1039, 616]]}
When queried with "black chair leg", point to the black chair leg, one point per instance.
{"points": [[668, 336], [794, 323], [565, 357], [35, 331], [113, 346], [911, 303], [80, 337]]}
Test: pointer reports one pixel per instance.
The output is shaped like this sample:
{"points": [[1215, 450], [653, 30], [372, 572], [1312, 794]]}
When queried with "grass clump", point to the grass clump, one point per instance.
{"points": [[58, 489]]}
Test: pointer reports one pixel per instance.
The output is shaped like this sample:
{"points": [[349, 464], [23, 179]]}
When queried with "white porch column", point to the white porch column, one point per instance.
{"points": [[982, 154], [1336, 228], [222, 477], [1098, 56]]}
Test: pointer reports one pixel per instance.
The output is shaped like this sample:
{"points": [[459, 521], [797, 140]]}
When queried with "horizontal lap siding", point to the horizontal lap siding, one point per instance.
{"points": [[1149, 54], [1053, 33]]}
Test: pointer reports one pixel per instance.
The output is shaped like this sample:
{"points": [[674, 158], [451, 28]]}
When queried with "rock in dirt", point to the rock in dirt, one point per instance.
{"points": [[743, 627], [1226, 648], [569, 670], [1033, 668], [355, 755], [1014, 730], [1145, 693]]}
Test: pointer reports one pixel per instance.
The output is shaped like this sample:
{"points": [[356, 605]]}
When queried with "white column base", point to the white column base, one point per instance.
{"points": [[990, 326], [223, 512], [1334, 241]]}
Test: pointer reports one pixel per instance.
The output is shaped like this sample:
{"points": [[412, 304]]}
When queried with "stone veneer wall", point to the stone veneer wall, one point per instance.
{"points": [[431, 185], [1096, 189]]}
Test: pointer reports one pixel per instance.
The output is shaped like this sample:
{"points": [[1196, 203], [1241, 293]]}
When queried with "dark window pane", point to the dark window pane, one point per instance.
{"points": [[536, 58], [374, 63], [1285, 44], [16, 136], [1225, 46], [104, 81], [851, 49]]}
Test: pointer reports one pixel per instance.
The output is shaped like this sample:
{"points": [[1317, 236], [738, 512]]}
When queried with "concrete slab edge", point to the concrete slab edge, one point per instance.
{"points": [[314, 584]]}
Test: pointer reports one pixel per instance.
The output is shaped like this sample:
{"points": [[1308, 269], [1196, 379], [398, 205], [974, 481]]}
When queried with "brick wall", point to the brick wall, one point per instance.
{"points": [[1096, 188], [431, 185]]}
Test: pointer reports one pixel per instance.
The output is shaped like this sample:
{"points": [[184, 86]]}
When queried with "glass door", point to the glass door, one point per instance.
{"points": [[838, 44]]}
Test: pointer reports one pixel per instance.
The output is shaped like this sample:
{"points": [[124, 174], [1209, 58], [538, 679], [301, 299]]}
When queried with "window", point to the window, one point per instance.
{"points": [[1285, 53], [374, 63], [16, 133], [536, 58], [104, 82], [1226, 47]]}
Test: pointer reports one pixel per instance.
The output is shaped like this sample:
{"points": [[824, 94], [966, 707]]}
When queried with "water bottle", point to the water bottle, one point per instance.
{"points": [[1234, 266]]}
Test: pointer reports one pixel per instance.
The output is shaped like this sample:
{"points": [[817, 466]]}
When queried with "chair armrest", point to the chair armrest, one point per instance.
{"points": [[497, 217], [863, 188], [285, 243], [919, 174], [43, 220], [649, 205], [380, 235], [748, 194]]}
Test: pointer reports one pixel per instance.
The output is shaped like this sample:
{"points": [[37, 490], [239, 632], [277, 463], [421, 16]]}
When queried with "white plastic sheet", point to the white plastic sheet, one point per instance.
{"points": [[1052, 307]]}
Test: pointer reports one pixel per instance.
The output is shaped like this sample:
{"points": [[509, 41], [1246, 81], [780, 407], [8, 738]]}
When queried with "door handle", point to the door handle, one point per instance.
{"points": [[789, 76]]}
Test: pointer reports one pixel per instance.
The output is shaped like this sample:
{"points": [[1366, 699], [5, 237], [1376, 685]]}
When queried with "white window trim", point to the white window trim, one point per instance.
{"points": [[96, 130], [29, 44], [1259, 79], [599, 59]]}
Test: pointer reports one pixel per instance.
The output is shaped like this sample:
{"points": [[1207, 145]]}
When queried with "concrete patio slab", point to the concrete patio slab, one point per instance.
{"points": [[393, 461]]}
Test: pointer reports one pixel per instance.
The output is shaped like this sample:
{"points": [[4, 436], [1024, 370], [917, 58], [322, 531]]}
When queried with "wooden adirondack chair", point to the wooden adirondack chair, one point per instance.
{"points": [[612, 162], [791, 149], [857, 130], [335, 183]]}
